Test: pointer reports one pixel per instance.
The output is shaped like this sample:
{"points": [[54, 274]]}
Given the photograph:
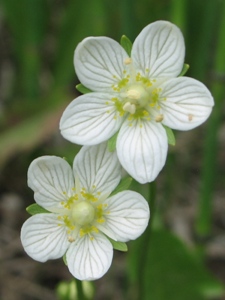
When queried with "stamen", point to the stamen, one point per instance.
{"points": [[159, 118], [89, 196], [131, 108], [67, 204], [88, 230], [100, 213], [67, 222], [71, 239], [128, 61], [119, 106]]}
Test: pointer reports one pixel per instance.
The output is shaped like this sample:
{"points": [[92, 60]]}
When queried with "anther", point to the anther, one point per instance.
{"points": [[131, 108], [127, 61], [71, 239], [159, 118]]}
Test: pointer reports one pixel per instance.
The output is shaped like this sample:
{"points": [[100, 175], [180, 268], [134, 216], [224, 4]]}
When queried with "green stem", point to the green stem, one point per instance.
{"points": [[202, 38], [178, 14], [208, 180], [80, 291], [27, 21], [128, 18], [146, 242], [152, 197]]}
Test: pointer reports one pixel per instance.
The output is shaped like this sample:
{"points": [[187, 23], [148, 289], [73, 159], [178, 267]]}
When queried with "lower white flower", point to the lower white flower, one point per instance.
{"points": [[82, 212]]}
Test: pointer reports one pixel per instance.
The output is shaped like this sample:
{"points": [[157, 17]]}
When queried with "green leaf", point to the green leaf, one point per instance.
{"points": [[82, 89], [170, 135], [123, 185], [181, 270], [121, 246], [112, 142], [126, 44], [184, 70], [166, 268], [34, 209]]}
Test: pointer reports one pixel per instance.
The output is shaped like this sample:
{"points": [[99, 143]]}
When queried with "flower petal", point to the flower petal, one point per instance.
{"points": [[89, 258], [51, 179], [99, 63], [90, 119], [142, 149], [158, 50], [128, 215], [188, 103], [98, 170], [42, 237]]}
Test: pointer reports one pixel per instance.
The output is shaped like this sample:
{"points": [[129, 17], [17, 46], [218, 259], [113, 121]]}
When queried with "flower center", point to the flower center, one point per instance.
{"points": [[83, 213], [136, 96]]}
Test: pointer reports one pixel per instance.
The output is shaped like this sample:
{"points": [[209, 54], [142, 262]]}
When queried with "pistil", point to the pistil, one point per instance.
{"points": [[83, 213]]}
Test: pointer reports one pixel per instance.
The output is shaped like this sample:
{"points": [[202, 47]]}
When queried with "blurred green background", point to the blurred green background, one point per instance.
{"points": [[182, 254]]}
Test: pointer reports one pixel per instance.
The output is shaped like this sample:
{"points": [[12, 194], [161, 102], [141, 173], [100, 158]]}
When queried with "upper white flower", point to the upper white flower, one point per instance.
{"points": [[82, 212], [136, 95]]}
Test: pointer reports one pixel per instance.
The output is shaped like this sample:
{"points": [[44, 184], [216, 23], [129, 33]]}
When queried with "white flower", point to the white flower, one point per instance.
{"points": [[82, 212], [135, 95]]}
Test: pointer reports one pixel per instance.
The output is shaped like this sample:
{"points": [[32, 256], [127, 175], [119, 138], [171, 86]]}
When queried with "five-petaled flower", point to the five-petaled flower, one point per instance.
{"points": [[82, 212], [136, 96]]}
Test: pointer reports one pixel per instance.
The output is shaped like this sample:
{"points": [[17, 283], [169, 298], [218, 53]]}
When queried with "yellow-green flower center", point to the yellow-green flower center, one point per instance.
{"points": [[83, 213], [137, 94], [136, 97]]}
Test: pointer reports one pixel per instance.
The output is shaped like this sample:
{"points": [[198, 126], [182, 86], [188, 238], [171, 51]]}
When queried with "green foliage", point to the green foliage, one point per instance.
{"points": [[184, 70], [34, 209], [170, 135], [27, 21], [120, 246], [112, 142], [75, 290], [210, 172], [123, 185], [171, 270], [82, 89], [78, 19], [28, 133], [126, 44]]}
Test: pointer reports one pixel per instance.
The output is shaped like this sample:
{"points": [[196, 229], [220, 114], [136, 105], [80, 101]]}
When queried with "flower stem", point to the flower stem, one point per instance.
{"points": [[146, 242], [152, 197], [80, 291]]}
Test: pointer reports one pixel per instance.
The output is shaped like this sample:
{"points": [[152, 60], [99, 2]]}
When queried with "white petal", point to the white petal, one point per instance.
{"points": [[142, 149], [188, 103], [98, 169], [42, 237], [99, 63], [51, 179], [159, 50], [128, 215], [89, 258], [90, 119]]}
